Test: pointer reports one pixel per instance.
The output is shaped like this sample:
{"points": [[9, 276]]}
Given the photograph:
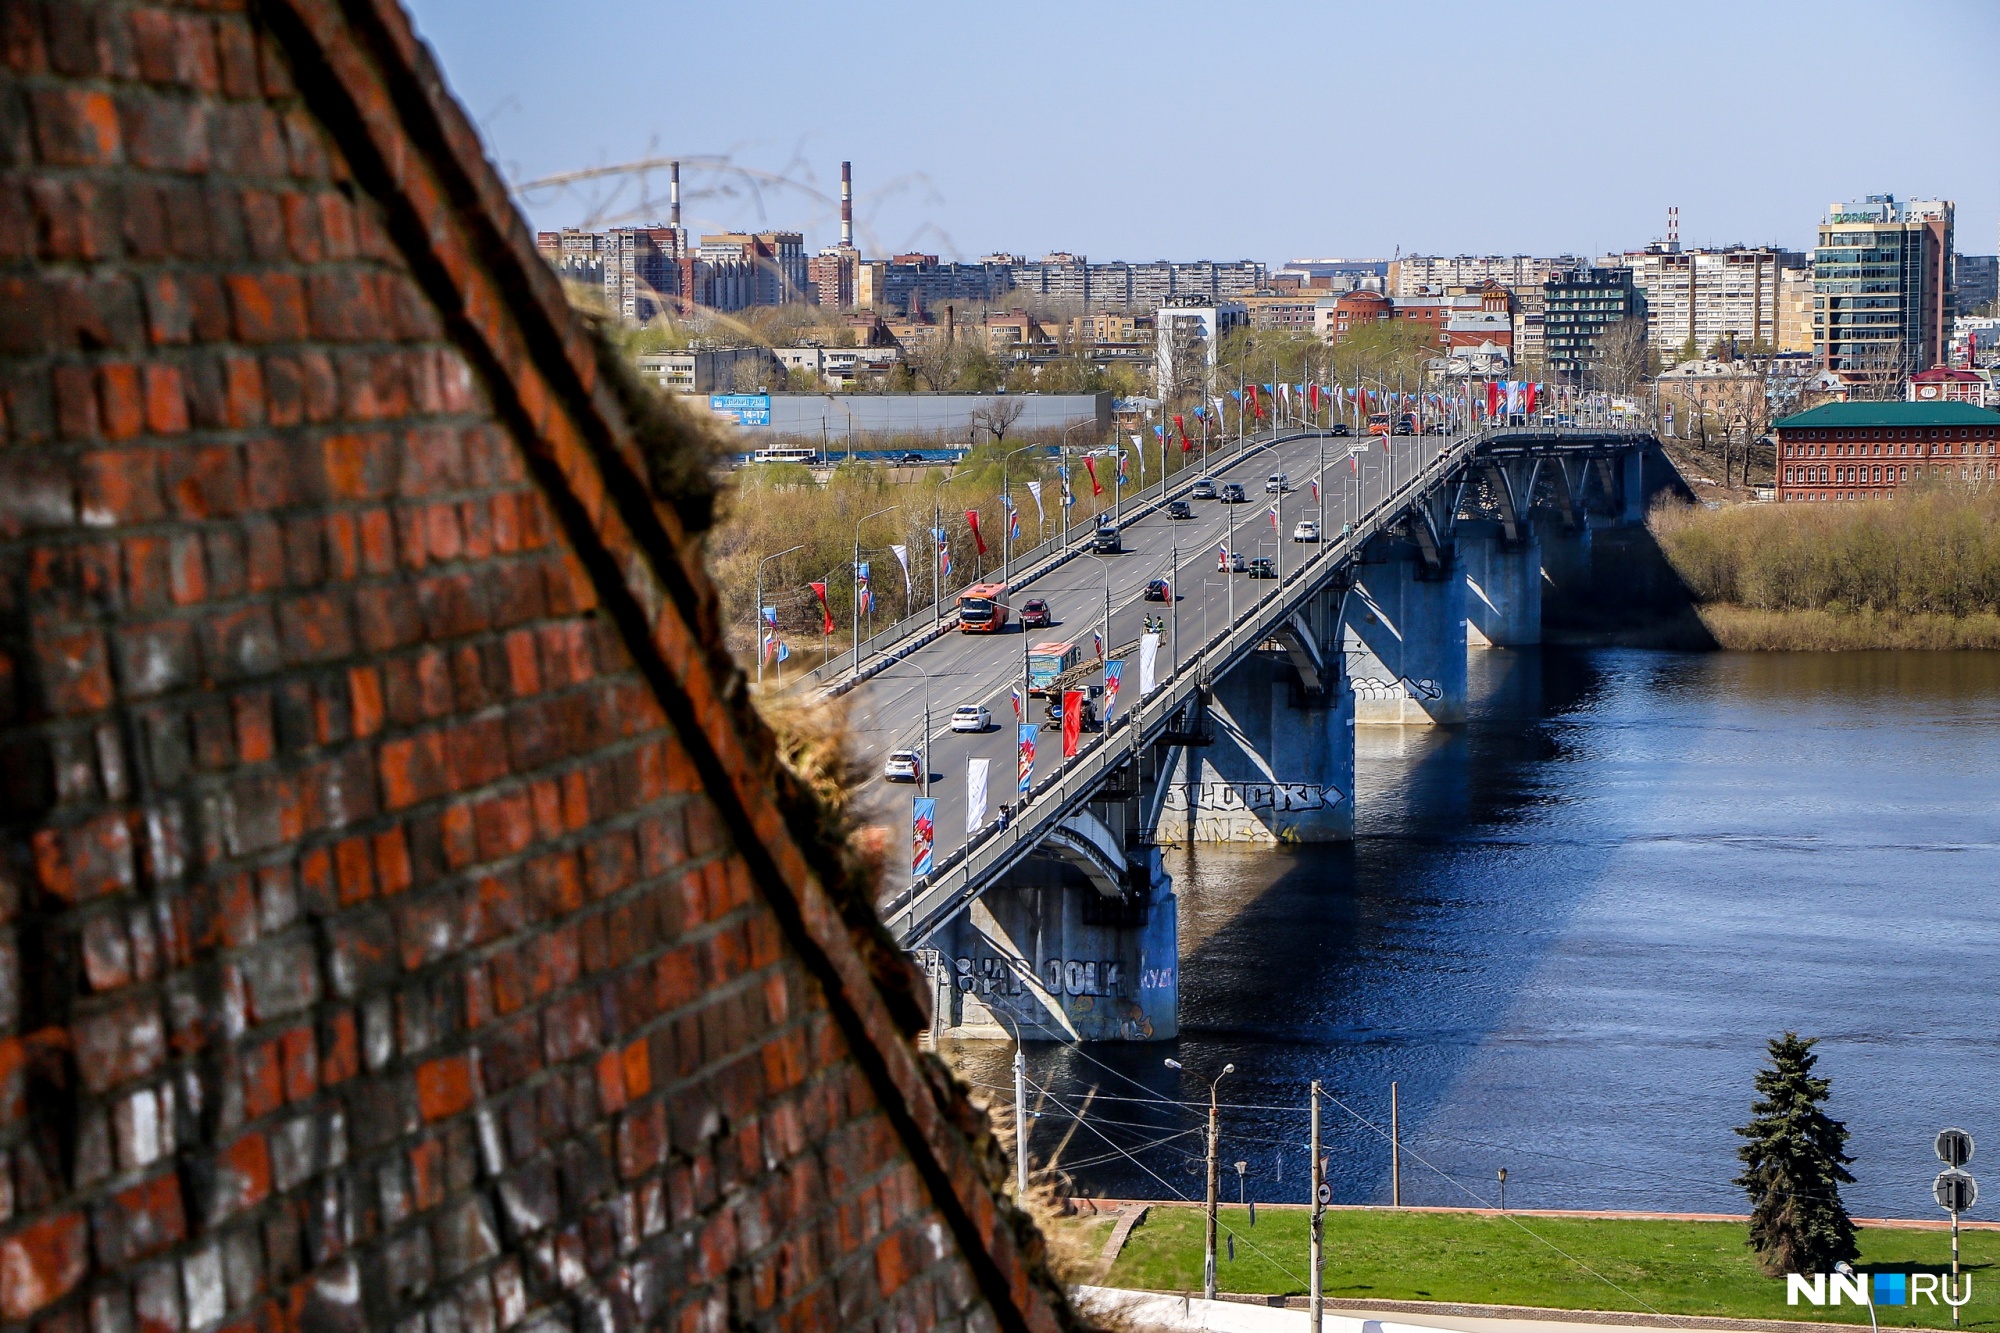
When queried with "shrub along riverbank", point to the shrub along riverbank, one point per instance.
{"points": [[1921, 570], [1566, 1263]]}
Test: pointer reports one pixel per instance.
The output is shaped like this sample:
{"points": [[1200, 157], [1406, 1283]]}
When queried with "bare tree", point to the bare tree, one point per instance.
{"points": [[932, 360], [1621, 362], [999, 416]]}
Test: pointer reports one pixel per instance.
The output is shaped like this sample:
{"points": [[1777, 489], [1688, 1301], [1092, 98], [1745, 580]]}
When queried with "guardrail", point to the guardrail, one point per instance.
{"points": [[928, 903]]}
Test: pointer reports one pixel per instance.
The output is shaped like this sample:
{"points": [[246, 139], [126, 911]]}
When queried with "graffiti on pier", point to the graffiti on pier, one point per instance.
{"points": [[1259, 798], [1374, 688], [988, 975]]}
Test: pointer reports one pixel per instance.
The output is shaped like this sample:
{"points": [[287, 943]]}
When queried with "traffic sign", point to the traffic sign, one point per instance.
{"points": [[1954, 1147], [1325, 1193], [1955, 1191]]}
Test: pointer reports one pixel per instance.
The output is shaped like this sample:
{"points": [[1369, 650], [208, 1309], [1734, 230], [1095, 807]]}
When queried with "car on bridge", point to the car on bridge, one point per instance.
{"points": [[910, 458], [1091, 720], [1158, 590], [1106, 541], [1204, 488], [1277, 483], [904, 766], [1232, 493], [1406, 424], [1263, 568], [1036, 613], [1179, 509], [1341, 430], [1305, 530], [971, 717], [1229, 562]]}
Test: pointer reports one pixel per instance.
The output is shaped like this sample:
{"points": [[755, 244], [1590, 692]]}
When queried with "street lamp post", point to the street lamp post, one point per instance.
{"points": [[1208, 1259], [1007, 499], [1107, 599], [757, 612], [1068, 490], [857, 579]]}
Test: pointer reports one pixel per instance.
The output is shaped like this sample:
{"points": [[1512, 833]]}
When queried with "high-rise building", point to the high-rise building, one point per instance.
{"points": [[1697, 298], [1882, 306], [1577, 307], [1976, 282], [1795, 309], [1188, 337]]}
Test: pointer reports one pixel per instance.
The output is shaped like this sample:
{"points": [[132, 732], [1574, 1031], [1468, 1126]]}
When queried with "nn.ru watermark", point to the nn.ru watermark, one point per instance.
{"points": [[1887, 1288]]}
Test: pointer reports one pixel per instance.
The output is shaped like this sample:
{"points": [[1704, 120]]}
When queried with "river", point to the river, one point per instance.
{"points": [[1566, 931]]}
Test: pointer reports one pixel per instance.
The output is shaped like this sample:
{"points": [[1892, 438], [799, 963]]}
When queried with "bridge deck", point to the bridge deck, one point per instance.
{"points": [[1216, 619]]}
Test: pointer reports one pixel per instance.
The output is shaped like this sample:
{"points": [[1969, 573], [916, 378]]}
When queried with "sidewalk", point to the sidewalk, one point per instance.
{"points": [[1146, 1310]]}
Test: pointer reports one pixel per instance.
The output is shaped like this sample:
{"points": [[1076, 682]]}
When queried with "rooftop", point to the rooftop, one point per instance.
{"points": [[1890, 414]]}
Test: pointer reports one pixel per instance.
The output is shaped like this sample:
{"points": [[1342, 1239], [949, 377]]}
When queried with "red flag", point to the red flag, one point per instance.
{"points": [[1072, 722], [826, 614], [972, 517], [1493, 398], [1186, 443], [1251, 389], [1529, 405], [1090, 466]]}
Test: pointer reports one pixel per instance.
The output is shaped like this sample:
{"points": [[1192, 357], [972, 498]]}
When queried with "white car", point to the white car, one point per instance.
{"points": [[1305, 530], [1229, 564], [971, 717], [904, 766], [1276, 483]]}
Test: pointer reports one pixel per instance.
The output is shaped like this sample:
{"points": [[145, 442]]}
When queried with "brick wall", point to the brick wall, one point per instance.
{"points": [[402, 926]]}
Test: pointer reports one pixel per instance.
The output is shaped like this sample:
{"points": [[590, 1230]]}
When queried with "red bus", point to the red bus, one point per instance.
{"points": [[982, 609]]}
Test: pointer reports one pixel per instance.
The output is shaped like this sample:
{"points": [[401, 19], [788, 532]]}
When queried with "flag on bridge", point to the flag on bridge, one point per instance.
{"points": [[1097, 640], [771, 616], [1090, 466], [972, 519], [923, 834], [944, 552], [1025, 754], [825, 611], [1114, 675], [1016, 694], [975, 794], [1035, 491], [1072, 709], [1274, 518], [864, 589], [1149, 657]]}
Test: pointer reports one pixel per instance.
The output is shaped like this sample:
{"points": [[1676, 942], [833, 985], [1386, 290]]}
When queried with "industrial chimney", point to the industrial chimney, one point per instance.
{"points": [[1673, 229], [674, 196], [847, 205]]}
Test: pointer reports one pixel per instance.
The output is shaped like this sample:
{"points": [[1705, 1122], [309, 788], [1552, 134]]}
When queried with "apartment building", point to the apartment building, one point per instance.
{"points": [[1416, 275], [1882, 300], [1187, 337], [1578, 306], [1697, 298]]}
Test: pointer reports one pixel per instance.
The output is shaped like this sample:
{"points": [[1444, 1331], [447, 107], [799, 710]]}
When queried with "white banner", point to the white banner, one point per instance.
{"points": [[975, 795], [1149, 657], [903, 559], [1035, 489]]}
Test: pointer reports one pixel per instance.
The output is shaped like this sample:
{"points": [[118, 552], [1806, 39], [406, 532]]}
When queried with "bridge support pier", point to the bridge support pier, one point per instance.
{"points": [[1277, 765], [1503, 585], [1403, 637], [1047, 955]]}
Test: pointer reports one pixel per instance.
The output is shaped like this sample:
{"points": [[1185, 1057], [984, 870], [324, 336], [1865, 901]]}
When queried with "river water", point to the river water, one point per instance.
{"points": [[1566, 931]]}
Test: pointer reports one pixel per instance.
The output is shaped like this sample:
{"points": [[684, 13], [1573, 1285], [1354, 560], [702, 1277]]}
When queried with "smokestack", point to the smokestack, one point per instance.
{"points": [[674, 195], [1674, 228], [847, 205]]}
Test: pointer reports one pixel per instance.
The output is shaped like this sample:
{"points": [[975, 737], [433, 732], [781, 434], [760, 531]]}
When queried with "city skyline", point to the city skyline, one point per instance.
{"points": [[1355, 152]]}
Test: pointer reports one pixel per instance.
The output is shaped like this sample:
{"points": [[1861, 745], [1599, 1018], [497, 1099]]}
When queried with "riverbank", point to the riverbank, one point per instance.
{"points": [[1636, 1264], [1755, 629], [1920, 570]]}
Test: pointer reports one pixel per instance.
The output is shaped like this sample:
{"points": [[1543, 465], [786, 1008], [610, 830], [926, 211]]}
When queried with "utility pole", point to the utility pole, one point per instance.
{"points": [[1208, 1261], [1395, 1153], [1318, 1212], [1020, 1123]]}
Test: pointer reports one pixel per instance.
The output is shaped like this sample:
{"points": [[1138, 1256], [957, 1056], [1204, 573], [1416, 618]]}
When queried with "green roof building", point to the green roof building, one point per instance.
{"points": [[1866, 451]]}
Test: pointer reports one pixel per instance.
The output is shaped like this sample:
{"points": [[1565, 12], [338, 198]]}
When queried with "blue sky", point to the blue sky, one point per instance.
{"points": [[1261, 131]]}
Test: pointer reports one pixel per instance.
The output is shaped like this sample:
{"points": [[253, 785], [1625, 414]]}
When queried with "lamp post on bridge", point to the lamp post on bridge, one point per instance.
{"points": [[757, 612], [857, 581]]}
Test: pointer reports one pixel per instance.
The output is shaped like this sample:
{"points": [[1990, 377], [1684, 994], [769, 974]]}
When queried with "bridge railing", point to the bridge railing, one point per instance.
{"points": [[929, 902]]}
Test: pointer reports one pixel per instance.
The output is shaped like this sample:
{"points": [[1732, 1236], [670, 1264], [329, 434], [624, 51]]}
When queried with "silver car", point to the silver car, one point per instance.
{"points": [[904, 766]]}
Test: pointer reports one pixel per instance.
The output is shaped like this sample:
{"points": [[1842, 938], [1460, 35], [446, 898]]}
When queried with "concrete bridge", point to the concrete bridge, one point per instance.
{"points": [[1057, 920]]}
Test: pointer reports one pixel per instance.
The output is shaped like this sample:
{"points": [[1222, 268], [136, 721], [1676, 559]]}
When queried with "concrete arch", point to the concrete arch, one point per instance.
{"points": [[1084, 842]]}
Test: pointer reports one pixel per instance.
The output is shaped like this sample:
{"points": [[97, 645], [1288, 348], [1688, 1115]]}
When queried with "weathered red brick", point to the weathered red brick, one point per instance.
{"points": [[42, 1263], [446, 1086]]}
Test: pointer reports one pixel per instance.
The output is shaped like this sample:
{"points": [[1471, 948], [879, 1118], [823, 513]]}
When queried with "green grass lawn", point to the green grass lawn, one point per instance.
{"points": [[1688, 1268]]}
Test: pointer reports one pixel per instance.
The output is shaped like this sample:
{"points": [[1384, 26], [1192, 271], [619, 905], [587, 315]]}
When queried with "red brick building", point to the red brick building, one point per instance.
{"points": [[404, 922], [1861, 451]]}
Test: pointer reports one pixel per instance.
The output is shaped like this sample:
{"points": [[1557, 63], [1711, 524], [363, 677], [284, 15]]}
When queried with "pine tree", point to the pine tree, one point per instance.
{"points": [[1795, 1166]]}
